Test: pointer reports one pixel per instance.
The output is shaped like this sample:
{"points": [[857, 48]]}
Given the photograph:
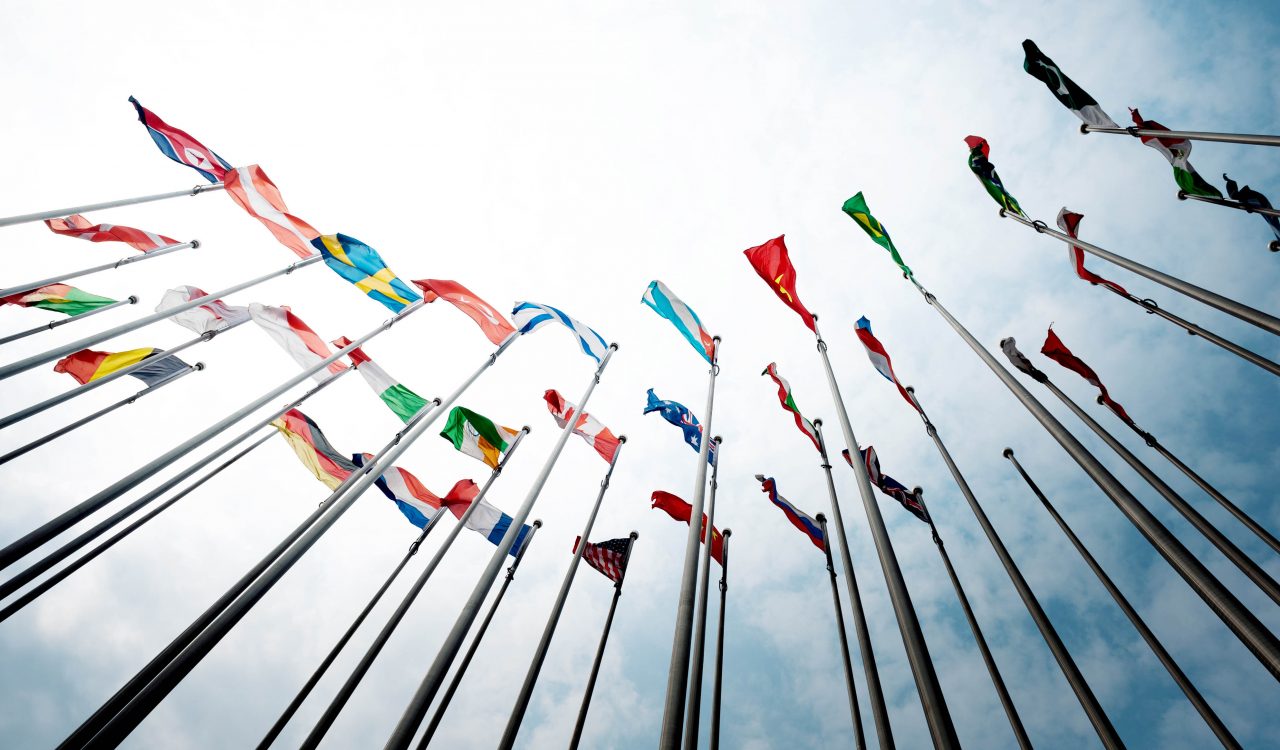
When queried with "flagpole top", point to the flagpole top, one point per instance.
{"points": [[526, 429], [614, 346], [634, 535], [1008, 453], [1084, 128], [622, 438], [133, 299], [537, 522], [199, 366], [726, 533], [817, 422], [917, 491], [911, 389], [717, 440], [195, 244], [715, 338], [820, 518]]}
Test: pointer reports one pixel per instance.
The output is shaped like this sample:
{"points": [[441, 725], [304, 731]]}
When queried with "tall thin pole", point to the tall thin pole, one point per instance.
{"points": [[855, 715], [130, 300], [58, 213], [604, 638], [1194, 135], [1183, 195], [716, 691], [941, 728], [693, 706], [62, 278], [452, 642], [1166, 659]]}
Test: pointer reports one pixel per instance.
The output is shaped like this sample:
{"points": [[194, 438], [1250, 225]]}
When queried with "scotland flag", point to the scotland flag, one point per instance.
{"points": [[529, 316]]}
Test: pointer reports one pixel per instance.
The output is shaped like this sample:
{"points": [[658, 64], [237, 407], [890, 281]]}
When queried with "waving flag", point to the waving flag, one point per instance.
{"points": [[313, 449], [1069, 222], [660, 299], [415, 501], [879, 357], [856, 208], [362, 266], [296, 337], [677, 414], [773, 264], [81, 228], [88, 365], [587, 427], [530, 316], [495, 327], [477, 436], [60, 298], [979, 150], [253, 191], [1253, 199], [608, 557], [487, 520], [888, 485], [1039, 66], [1057, 351], [402, 402], [1177, 151], [180, 146], [214, 315], [789, 403], [682, 511], [797, 517]]}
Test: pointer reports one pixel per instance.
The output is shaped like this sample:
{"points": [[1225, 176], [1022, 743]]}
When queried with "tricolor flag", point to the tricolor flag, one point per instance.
{"points": [[180, 146], [1039, 66], [487, 520], [529, 316], [214, 315], [477, 436], [1069, 222], [1253, 199], [979, 150], [797, 517], [682, 511], [60, 298], [773, 264], [888, 485], [588, 427], [88, 365], [1177, 151], [660, 299], [856, 208], [296, 337], [313, 449], [253, 191], [495, 327], [362, 266], [1057, 351], [789, 403], [81, 228], [418, 504], [608, 557], [679, 415], [402, 402], [879, 357]]}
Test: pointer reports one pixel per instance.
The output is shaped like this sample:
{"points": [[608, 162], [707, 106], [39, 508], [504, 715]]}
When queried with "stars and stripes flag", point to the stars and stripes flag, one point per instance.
{"points": [[296, 338], [253, 191], [214, 315], [888, 485], [81, 228], [798, 518], [530, 316], [1057, 351], [402, 402], [1069, 222], [587, 427], [1178, 152], [608, 557], [487, 520], [88, 365], [61, 298], [313, 449], [679, 510], [180, 146], [679, 415], [661, 300], [1066, 91], [879, 357], [418, 504], [495, 327], [789, 403], [983, 169], [773, 264], [363, 267]]}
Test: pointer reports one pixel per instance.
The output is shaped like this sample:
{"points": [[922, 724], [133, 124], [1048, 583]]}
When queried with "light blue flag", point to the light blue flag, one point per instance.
{"points": [[660, 299]]}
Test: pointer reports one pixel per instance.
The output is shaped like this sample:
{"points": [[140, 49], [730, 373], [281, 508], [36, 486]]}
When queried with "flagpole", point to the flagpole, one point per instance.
{"points": [[880, 712], [475, 642], [1194, 135], [452, 643], [855, 715], [130, 300], [604, 638], [1184, 195], [59, 213], [62, 278], [693, 706], [714, 743], [933, 701], [1229, 306]]}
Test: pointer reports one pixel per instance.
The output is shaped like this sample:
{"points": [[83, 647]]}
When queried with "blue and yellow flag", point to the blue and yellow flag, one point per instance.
{"points": [[361, 265]]}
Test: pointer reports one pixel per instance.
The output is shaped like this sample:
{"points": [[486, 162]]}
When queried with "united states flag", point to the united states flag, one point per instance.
{"points": [[607, 557]]}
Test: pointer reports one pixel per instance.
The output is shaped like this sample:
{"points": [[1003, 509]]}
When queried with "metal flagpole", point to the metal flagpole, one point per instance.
{"points": [[604, 638], [339, 700], [1197, 700], [693, 704], [714, 743], [1194, 135], [452, 643], [941, 729], [855, 715], [1184, 195], [63, 278], [59, 213], [1229, 306], [880, 712], [544, 643], [475, 642], [1243, 623], [132, 299]]}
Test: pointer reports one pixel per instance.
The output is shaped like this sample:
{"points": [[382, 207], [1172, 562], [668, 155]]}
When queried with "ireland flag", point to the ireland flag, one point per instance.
{"points": [[477, 436], [403, 402]]}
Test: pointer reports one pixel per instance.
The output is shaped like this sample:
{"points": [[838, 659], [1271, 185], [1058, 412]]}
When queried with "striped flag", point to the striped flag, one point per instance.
{"points": [[253, 191], [879, 357], [679, 415], [180, 146], [1057, 351], [88, 365], [772, 263], [679, 510], [60, 298], [797, 517], [477, 436], [487, 520], [587, 427], [81, 228], [982, 168], [660, 299], [418, 504], [296, 338], [495, 327], [1066, 91], [362, 266], [529, 316], [888, 485], [1069, 222], [313, 449], [402, 402], [789, 403], [608, 557], [214, 315], [1178, 152]]}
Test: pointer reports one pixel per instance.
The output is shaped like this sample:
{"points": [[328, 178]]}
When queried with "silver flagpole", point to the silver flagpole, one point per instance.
{"points": [[1184, 195], [1166, 659], [941, 729], [452, 643], [714, 743], [693, 704], [860, 741], [130, 300], [1194, 135], [59, 213], [339, 700], [1229, 306], [62, 278], [544, 644]]}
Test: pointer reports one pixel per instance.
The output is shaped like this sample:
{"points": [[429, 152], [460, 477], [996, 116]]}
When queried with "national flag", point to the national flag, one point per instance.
{"points": [[773, 263], [79, 227], [477, 436], [60, 298], [1019, 360], [180, 146], [979, 150], [789, 403], [888, 485], [1069, 222], [1039, 66], [362, 266], [214, 315], [296, 337], [487, 520], [660, 299], [682, 511], [1177, 151], [529, 316], [797, 517], [403, 402], [679, 415], [588, 427], [608, 557], [495, 327], [879, 357], [314, 449], [1253, 199], [856, 208], [418, 504], [1057, 351], [88, 365], [253, 191]]}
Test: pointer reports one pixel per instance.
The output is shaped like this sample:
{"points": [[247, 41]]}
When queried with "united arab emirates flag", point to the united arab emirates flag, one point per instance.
{"points": [[1039, 66], [979, 150], [857, 209], [477, 436]]}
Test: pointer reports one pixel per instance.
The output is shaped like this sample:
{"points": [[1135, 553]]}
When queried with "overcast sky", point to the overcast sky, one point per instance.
{"points": [[570, 154]]}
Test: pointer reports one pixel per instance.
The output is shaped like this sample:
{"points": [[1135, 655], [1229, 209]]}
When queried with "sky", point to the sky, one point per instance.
{"points": [[570, 153]]}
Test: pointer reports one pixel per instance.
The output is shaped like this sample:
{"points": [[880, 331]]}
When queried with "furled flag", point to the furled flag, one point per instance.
{"points": [[314, 449], [495, 327], [1057, 351], [857, 209], [608, 557], [253, 191], [180, 146], [1177, 151], [79, 227], [88, 365], [682, 511], [403, 402], [1019, 360], [879, 357], [888, 485], [296, 337], [61, 298], [477, 435], [487, 520], [418, 504], [1069, 222], [1253, 199], [529, 316], [789, 403], [362, 266], [1039, 66], [773, 263], [660, 299], [588, 427], [679, 415], [979, 150], [797, 517], [214, 315]]}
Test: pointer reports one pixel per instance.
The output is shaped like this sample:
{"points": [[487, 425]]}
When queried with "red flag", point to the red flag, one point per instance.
{"points": [[460, 497], [1057, 351], [586, 426], [80, 227], [495, 327], [774, 266], [682, 511], [1069, 222]]}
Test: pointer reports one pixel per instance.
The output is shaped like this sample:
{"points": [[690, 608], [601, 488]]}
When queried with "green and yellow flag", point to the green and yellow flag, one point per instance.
{"points": [[477, 436], [857, 209], [58, 298]]}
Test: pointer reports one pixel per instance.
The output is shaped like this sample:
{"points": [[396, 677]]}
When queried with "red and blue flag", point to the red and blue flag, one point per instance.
{"points": [[180, 146], [797, 517]]}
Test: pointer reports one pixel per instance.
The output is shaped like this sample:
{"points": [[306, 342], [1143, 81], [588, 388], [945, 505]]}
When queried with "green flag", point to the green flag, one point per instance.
{"points": [[979, 150], [857, 209], [477, 436], [60, 298]]}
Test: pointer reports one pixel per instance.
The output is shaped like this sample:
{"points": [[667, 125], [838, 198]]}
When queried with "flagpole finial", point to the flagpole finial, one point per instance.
{"points": [[911, 389], [614, 346], [634, 535], [717, 440], [537, 522], [817, 422], [526, 429], [715, 338], [199, 366], [622, 438], [726, 533], [820, 518], [1008, 453], [195, 244], [133, 299]]}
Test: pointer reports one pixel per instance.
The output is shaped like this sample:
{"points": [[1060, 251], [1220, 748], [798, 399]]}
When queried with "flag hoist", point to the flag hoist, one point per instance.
{"points": [[718, 679]]}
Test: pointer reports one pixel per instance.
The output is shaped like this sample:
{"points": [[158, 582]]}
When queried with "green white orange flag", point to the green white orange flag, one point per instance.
{"points": [[60, 298], [789, 403], [402, 402], [477, 436], [857, 209], [979, 150]]}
